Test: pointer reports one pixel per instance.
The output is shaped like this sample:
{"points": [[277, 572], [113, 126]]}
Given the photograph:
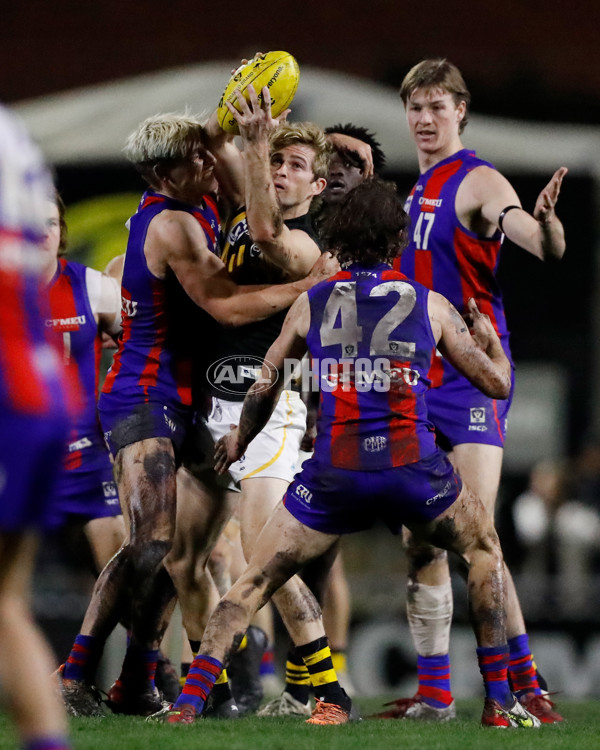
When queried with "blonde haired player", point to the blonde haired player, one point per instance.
{"points": [[145, 406]]}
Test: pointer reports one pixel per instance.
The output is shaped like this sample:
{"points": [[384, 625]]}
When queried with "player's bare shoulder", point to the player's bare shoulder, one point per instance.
{"points": [[172, 236]]}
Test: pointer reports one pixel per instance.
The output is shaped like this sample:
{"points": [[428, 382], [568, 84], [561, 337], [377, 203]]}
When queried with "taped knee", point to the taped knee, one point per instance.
{"points": [[429, 612]]}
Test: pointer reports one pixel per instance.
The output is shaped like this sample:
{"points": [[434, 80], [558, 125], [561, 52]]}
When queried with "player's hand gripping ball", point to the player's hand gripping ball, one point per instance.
{"points": [[278, 71]]}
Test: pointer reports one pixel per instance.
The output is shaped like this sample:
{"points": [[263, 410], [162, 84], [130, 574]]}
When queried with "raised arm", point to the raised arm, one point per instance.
{"points": [[479, 357], [264, 393], [290, 249], [487, 192], [229, 169], [178, 240]]}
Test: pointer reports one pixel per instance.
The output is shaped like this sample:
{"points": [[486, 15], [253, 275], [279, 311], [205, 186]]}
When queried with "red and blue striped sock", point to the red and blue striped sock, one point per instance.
{"points": [[47, 743], [267, 662], [83, 659], [493, 665], [434, 680], [139, 667], [521, 667], [199, 682]]}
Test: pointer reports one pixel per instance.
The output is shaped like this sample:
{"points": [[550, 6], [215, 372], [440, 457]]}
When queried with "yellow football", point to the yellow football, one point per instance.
{"points": [[278, 71]]}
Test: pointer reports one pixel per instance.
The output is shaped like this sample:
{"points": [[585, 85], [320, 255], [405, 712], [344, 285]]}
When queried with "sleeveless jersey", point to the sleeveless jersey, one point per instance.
{"points": [[72, 320], [154, 359], [243, 348], [30, 376], [371, 341], [445, 256]]}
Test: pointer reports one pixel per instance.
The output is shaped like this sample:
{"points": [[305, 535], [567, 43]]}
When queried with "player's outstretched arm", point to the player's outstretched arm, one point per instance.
{"points": [[290, 249], [263, 395], [551, 228], [542, 234], [479, 356], [229, 168], [205, 279]]}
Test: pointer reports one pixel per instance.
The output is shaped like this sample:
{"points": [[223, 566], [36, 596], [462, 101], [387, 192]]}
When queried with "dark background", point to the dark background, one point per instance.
{"points": [[521, 58]]}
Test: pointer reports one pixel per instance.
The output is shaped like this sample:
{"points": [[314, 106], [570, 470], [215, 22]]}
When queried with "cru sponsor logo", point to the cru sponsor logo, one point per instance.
{"points": [[303, 493], [362, 374], [440, 495], [231, 374], [375, 443]]}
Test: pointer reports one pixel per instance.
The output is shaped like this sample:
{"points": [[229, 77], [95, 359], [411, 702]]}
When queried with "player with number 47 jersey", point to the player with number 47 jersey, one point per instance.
{"points": [[469, 270]]}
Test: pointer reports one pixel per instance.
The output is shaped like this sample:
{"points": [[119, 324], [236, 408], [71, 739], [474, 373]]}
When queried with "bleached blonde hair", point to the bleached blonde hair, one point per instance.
{"points": [[160, 138]]}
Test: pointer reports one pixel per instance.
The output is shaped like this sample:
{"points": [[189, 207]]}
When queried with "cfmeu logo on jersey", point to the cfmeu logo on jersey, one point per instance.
{"points": [[236, 374]]}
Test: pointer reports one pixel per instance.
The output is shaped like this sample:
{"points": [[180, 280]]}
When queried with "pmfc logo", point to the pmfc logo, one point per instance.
{"points": [[233, 374], [375, 443]]}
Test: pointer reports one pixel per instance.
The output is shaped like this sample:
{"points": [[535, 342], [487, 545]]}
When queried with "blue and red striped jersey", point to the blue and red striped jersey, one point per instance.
{"points": [[153, 361], [30, 377], [73, 322], [444, 255], [370, 341]]}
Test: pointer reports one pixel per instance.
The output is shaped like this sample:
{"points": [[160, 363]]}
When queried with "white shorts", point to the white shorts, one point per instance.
{"points": [[274, 451]]}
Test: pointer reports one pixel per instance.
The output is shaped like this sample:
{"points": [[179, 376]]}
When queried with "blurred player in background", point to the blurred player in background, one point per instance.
{"points": [[373, 442], [459, 209], [33, 431], [84, 303]]}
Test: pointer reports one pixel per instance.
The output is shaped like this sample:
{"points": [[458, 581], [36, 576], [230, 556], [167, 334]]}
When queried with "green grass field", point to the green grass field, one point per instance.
{"points": [[581, 731]]}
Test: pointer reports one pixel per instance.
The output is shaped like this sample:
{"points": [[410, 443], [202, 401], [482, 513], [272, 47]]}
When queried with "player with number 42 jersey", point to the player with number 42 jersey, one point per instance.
{"points": [[372, 350]]}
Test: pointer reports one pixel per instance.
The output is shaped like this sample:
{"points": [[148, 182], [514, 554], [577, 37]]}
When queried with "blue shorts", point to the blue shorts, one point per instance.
{"points": [[88, 492], [461, 413], [125, 423], [32, 450], [339, 501]]}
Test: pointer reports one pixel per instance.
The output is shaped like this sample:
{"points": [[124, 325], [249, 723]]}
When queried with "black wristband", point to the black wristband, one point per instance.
{"points": [[503, 214]]}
